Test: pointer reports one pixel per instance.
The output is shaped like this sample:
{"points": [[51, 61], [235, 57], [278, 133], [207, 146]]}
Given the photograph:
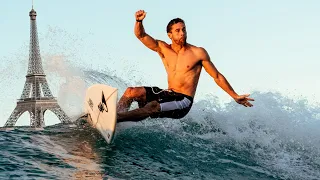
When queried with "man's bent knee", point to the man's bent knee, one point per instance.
{"points": [[153, 107]]}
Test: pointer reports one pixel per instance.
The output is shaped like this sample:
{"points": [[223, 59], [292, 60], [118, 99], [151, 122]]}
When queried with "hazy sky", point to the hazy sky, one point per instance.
{"points": [[258, 45]]}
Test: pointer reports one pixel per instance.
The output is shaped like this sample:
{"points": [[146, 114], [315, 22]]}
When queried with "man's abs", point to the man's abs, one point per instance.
{"points": [[184, 83]]}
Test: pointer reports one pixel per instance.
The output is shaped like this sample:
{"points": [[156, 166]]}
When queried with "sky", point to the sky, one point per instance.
{"points": [[257, 45]]}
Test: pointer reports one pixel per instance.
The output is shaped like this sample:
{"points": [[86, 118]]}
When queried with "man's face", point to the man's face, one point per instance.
{"points": [[178, 33]]}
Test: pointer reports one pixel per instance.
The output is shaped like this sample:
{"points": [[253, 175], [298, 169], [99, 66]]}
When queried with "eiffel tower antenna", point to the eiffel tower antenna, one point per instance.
{"points": [[36, 96]]}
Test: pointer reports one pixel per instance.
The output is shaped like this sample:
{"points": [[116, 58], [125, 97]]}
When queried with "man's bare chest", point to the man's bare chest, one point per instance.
{"points": [[184, 61]]}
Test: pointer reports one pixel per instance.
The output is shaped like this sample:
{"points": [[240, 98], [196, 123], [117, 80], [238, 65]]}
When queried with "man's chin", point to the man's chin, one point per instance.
{"points": [[182, 43]]}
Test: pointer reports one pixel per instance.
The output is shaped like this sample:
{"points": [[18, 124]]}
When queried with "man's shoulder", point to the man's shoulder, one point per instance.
{"points": [[198, 49], [162, 44]]}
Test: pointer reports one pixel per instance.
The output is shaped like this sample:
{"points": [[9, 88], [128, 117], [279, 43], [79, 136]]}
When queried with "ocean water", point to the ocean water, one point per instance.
{"points": [[276, 139]]}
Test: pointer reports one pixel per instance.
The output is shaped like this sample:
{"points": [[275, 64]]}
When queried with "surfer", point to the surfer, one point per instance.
{"points": [[183, 63]]}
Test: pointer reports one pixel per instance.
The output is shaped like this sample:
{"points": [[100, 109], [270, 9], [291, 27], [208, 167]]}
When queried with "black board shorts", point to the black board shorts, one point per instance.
{"points": [[173, 105]]}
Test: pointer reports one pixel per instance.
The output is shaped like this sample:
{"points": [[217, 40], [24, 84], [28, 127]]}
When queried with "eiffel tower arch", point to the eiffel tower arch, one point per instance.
{"points": [[36, 96]]}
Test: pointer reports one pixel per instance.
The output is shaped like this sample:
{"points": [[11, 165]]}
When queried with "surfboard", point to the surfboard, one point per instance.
{"points": [[100, 106]]}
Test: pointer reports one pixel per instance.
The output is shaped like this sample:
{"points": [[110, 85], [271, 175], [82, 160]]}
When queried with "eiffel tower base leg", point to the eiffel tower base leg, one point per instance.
{"points": [[14, 117], [60, 114]]}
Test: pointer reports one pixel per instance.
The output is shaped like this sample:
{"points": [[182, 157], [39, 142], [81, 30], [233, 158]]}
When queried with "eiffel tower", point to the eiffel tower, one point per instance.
{"points": [[36, 96]]}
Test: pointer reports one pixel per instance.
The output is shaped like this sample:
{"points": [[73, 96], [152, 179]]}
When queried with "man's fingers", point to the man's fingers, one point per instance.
{"points": [[246, 104], [245, 96], [243, 99], [250, 99], [140, 12], [249, 104]]}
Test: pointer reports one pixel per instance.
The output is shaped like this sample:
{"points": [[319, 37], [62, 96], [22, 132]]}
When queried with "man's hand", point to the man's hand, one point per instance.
{"points": [[244, 100], [140, 15]]}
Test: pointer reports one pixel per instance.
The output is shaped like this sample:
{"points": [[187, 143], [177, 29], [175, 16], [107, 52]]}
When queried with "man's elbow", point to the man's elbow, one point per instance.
{"points": [[221, 77], [218, 77], [140, 35]]}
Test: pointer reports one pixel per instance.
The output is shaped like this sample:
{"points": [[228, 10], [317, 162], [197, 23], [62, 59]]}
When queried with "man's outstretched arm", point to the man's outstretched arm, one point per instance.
{"points": [[140, 33], [221, 80], [215, 74]]}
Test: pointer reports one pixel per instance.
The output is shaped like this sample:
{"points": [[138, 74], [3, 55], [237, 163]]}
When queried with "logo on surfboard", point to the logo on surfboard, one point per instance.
{"points": [[103, 104], [90, 104]]}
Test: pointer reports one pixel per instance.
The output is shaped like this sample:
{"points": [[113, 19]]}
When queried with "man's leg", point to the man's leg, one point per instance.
{"points": [[132, 94], [139, 114]]}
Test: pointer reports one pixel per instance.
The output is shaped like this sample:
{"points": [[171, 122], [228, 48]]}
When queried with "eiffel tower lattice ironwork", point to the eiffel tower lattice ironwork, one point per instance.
{"points": [[36, 96]]}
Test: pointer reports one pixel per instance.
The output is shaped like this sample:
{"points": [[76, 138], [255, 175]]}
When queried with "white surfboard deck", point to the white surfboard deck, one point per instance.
{"points": [[100, 105]]}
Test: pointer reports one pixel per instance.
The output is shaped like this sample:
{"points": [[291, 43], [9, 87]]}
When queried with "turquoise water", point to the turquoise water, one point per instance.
{"points": [[277, 139]]}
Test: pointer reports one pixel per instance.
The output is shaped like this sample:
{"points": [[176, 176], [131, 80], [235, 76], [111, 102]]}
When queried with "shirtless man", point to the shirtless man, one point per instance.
{"points": [[183, 63]]}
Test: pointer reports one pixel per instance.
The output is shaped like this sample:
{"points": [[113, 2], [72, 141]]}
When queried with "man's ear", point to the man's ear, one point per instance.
{"points": [[169, 35]]}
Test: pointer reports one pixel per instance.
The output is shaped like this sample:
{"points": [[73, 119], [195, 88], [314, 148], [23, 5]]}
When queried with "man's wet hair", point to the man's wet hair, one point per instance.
{"points": [[172, 22]]}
